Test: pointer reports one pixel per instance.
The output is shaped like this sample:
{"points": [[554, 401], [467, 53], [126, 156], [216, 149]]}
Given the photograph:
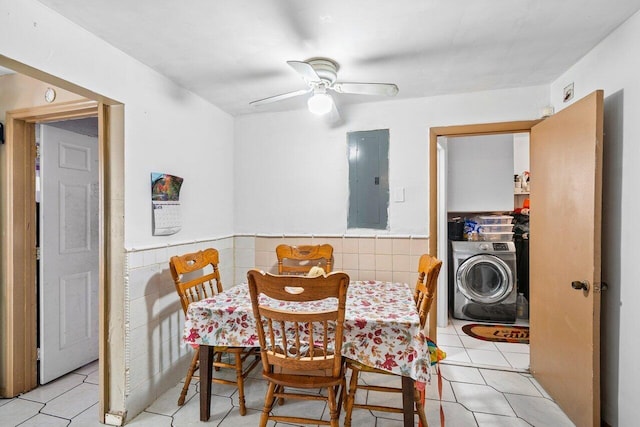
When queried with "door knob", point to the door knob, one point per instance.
{"points": [[578, 285]]}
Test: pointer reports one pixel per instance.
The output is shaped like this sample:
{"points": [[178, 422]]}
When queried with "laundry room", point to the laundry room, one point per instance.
{"points": [[487, 206]]}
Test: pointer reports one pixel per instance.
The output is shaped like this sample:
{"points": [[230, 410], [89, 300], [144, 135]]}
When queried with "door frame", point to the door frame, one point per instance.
{"points": [[435, 228], [18, 369]]}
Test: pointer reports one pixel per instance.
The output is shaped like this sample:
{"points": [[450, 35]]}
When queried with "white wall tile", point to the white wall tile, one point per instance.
{"points": [[245, 242], [141, 281], [245, 257]]}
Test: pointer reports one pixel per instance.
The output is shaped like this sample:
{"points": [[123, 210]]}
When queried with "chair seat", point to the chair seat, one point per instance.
{"points": [[365, 368], [223, 348]]}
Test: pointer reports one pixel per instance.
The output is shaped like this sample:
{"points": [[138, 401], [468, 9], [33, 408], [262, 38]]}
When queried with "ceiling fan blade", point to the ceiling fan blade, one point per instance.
{"points": [[280, 97], [383, 89], [305, 70]]}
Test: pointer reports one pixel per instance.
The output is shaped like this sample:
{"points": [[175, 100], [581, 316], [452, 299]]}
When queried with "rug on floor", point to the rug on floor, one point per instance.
{"points": [[498, 333]]}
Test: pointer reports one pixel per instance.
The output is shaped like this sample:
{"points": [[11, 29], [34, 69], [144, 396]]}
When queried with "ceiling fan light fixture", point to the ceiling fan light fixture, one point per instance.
{"points": [[320, 103]]}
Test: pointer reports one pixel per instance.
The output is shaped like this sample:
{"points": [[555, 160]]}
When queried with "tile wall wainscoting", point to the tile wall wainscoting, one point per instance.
{"points": [[387, 258], [155, 357]]}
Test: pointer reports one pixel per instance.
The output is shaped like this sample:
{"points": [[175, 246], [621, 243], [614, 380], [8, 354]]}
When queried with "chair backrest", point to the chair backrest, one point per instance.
{"points": [[296, 332], [299, 259], [196, 276], [425, 292]]}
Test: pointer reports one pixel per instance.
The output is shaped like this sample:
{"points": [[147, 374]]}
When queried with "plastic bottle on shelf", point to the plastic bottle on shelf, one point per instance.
{"points": [[522, 307]]}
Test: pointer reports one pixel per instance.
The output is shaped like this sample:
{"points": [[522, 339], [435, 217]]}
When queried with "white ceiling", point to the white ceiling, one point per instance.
{"points": [[232, 52]]}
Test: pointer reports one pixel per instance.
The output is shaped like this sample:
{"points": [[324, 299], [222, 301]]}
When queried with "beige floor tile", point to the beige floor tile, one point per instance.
{"points": [[73, 402], [455, 354], [167, 403], [88, 418], [18, 411], [456, 415], [538, 411], [189, 413], [449, 340], [509, 382], [482, 398], [518, 360], [487, 358], [147, 419], [54, 389], [490, 420], [42, 420]]}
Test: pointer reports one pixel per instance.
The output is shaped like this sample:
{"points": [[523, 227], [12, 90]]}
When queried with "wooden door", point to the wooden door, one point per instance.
{"points": [[69, 246], [566, 193]]}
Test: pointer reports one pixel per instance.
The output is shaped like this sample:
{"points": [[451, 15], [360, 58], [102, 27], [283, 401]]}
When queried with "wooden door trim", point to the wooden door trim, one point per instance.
{"points": [[18, 369], [451, 131]]}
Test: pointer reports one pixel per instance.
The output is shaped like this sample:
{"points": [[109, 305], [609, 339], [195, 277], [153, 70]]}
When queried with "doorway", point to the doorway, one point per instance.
{"points": [[481, 277], [19, 267], [566, 158], [437, 197]]}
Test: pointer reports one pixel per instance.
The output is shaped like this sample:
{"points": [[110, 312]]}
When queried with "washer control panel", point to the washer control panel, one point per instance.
{"points": [[500, 247]]}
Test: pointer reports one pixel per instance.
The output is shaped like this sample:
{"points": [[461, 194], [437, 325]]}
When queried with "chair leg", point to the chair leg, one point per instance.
{"points": [[240, 381], [334, 412], [268, 404], [419, 402], [192, 368], [340, 391], [218, 359], [351, 397]]}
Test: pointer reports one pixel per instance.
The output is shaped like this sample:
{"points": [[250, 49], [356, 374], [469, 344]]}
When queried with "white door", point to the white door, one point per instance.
{"points": [[68, 285]]}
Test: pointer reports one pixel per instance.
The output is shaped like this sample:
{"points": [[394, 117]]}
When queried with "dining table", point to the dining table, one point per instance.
{"points": [[381, 329]]}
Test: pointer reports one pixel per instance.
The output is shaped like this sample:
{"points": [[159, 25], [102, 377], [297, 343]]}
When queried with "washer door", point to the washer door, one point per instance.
{"points": [[484, 279]]}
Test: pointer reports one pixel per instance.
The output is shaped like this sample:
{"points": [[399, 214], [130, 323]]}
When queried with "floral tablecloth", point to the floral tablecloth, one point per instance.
{"points": [[381, 328]]}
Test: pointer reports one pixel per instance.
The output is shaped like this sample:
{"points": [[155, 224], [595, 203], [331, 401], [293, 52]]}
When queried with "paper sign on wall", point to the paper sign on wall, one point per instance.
{"points": [[165, 200]]}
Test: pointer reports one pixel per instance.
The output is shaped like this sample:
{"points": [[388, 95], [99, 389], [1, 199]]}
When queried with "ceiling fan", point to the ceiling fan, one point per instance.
{"points": [[321, 75]]}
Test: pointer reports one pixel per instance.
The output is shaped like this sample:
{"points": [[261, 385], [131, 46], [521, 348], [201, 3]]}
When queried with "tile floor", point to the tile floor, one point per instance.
{"points": [[464, 350], [483, 385], [71, 399]]}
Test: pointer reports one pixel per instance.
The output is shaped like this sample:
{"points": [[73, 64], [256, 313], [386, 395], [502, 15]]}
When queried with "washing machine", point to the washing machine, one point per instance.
{"points": [[484, 281]]}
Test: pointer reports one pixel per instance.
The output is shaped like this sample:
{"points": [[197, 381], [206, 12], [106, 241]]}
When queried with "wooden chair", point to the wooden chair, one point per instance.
{"points": [[196, 277], [297, 360], [298, 260], [424, 294]]}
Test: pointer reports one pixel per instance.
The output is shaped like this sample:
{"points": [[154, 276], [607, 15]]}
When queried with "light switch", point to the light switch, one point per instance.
{"points": [[398, 194]]}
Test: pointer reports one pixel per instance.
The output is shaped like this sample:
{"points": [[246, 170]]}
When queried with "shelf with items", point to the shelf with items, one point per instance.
{"points": [[519, 199]]}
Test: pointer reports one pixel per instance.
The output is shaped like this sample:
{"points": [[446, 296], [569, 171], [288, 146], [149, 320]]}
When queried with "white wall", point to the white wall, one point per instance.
{"points": [[167, 129], [614, 67], [479, 173], [288, 161]]}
